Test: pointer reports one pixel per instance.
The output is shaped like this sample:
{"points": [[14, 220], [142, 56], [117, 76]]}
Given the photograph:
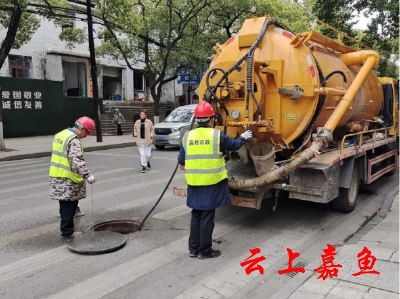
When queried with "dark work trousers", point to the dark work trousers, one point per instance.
{"points": [[67, 212], [201, 230], [119, 132]]}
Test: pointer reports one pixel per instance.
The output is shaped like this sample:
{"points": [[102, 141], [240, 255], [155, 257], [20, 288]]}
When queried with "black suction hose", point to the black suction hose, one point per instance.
{"points": [[212, 91], [336, 72], [166, 187], [236, 66]]}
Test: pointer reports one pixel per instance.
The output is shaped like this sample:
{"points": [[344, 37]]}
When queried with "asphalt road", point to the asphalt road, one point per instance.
{"points": [[35, 263]]}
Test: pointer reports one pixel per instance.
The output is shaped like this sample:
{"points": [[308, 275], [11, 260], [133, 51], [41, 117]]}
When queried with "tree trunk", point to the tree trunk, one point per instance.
{"points": [[5, 48], [8, 42], [156, 98]]}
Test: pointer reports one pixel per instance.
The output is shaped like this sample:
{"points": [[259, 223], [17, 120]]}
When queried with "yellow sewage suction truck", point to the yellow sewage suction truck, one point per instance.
{"points": [[322, 120]]}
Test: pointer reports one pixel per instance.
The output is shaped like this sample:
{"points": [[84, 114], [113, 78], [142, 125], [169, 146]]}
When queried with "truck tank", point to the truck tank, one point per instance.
{"points": [[299, 94], [297, 80]]}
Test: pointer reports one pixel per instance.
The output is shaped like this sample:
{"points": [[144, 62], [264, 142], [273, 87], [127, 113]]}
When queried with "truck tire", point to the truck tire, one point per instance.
{"points": [[347, 199], [160, 147]]}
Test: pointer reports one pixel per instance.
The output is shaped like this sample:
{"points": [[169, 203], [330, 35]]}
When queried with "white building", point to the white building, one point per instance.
{"points": [[46, 57]]}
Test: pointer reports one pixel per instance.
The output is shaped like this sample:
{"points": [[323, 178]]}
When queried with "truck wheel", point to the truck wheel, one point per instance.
{"points": [[160, 147], [347, 199]]}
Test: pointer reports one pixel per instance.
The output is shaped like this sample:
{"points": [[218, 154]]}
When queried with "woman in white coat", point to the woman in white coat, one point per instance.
{"points": [[143, 130]]}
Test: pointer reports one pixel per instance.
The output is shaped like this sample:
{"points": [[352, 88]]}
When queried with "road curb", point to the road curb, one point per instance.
{"points": [[383, 211], [48, 153]]}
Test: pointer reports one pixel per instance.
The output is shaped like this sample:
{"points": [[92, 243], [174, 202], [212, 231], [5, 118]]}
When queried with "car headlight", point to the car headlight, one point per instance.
{"points": [[177, 129]]}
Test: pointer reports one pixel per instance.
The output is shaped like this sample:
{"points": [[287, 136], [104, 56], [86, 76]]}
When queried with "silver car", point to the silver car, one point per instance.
{"points": [[171, 131]]}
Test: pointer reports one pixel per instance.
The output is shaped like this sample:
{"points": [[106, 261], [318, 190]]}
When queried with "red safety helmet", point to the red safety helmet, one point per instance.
{"points": [[87, 123], [204, 109]]}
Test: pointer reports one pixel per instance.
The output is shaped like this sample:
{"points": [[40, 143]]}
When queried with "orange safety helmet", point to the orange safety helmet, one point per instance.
{"points": [[87, 123], [203, 110]]}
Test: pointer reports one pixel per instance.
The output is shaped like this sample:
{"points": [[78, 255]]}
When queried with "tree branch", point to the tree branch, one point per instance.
{"points": [[9, 40]]}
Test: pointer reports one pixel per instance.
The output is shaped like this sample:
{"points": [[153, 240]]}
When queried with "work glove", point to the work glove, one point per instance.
{"points": [[91, 179], [246, 135]]}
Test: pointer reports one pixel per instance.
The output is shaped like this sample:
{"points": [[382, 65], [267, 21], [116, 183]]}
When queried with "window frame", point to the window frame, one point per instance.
{"points": [[24, 68]]}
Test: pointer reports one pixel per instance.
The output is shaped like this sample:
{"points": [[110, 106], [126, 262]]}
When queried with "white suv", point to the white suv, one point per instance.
{"points": [[171, 130]]}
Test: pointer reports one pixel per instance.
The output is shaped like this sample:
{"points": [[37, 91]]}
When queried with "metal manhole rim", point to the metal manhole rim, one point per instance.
{"points": [[112, 226]]}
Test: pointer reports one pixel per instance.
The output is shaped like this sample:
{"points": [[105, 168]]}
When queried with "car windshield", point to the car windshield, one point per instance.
{"points": [[180, 115]]}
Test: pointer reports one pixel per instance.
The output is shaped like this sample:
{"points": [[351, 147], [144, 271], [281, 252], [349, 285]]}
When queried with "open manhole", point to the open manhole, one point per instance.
{"points": [[117, 226]]}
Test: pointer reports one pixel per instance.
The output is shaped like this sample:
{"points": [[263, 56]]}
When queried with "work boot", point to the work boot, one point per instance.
{"points": [[144, 170], [148, 165], [193, 254], [213, 253], [78, 213]]}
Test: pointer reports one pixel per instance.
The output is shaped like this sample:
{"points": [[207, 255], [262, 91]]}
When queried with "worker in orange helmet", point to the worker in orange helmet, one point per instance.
{"points": [[207, 178], [68, 172]]}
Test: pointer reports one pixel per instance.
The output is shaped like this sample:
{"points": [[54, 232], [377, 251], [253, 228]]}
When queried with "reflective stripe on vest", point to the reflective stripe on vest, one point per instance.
{"points": [[204, 162], [60, 167]]}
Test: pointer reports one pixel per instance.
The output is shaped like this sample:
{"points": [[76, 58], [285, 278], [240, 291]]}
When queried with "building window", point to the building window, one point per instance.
{"points": [[19, 66], [138, 81]]}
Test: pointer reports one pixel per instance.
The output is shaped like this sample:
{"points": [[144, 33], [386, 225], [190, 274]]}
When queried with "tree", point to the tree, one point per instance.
{"points": [[381, 34], [157, 34], [20, 20]]}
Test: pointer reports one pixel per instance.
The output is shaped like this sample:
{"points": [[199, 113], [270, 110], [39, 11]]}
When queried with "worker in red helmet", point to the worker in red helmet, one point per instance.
{"points": [[207, 178], [68, 172]]}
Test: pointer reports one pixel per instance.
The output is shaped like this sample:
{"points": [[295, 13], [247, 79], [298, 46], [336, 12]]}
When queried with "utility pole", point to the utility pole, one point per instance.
{"points": [[93, 72]]}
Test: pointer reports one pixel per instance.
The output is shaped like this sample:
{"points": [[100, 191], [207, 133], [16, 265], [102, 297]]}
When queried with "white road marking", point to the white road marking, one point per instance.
{"points": [[43, 229], [36, 231], [24, 167], [115, 191], [133, 156], [20, 162], [33, 263], [106, 282], [137, 203], [29, 196], [28, 233], [24, 179], [39, 170], [46, 175], [24, 172], [7, 201], [172, 213], [23, 187], [99, 195], [227, 281]]}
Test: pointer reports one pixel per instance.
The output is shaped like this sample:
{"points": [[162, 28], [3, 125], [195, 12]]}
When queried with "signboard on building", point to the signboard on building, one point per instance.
{"points": [[187, 76]]}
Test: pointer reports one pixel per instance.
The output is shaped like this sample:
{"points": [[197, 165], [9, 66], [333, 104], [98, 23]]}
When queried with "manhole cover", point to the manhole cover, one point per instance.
{"points": [[96, 242], [117, 226]]}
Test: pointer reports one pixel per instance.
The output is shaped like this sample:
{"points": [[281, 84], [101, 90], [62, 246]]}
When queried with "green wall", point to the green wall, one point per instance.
{"points": [[58, 111]]}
